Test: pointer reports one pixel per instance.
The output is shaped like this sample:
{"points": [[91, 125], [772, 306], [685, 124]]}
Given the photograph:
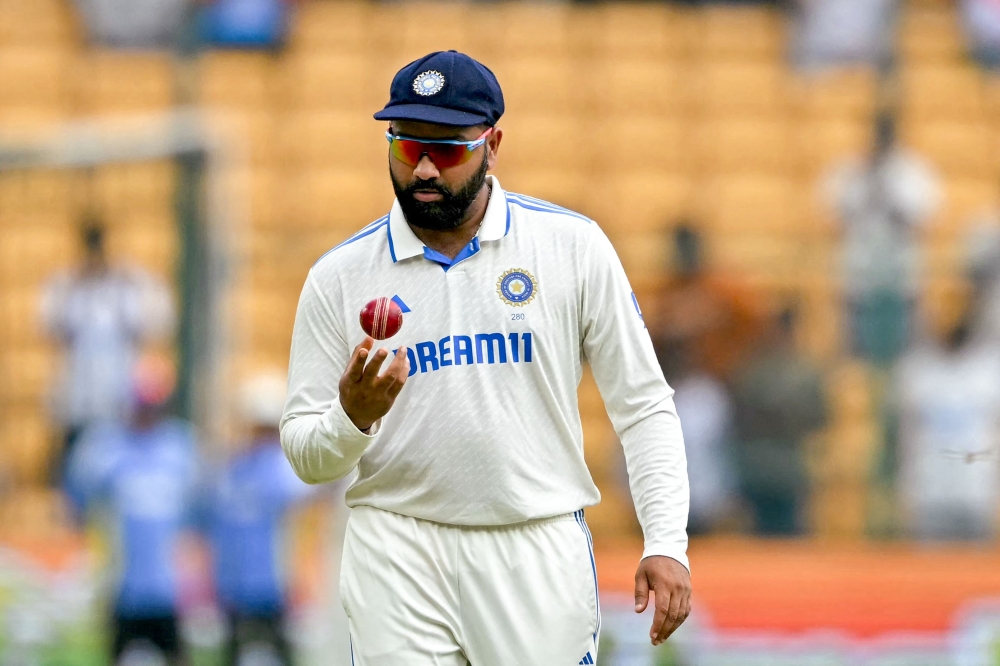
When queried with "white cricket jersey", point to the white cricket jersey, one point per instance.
{"points": [[487, 429]]}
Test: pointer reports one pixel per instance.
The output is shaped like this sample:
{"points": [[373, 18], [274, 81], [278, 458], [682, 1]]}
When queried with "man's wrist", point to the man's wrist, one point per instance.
{"points": [[360, 426]]}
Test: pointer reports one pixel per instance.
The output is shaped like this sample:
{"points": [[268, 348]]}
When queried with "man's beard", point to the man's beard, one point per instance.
{"points": [[442, 215]]}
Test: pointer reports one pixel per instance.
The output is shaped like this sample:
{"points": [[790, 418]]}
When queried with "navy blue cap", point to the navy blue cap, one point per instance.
{"points": [[445, 88]]}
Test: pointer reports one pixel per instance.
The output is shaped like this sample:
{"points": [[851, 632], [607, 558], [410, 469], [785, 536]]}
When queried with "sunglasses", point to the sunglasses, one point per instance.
{"points": [[444, 153]]}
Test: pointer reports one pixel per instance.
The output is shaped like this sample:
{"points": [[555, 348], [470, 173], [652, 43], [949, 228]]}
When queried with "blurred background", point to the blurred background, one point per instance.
{"points": [[805, 197]]}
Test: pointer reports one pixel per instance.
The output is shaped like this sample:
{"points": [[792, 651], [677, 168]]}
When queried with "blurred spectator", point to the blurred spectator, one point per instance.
{"points": [[100, 314], [982, 26], [779, 402], [249, 502], [140, 477], [946, 397], [705, 410], [701, 313], [246, 23], [134, 23], [838, 32], [881, 203]]}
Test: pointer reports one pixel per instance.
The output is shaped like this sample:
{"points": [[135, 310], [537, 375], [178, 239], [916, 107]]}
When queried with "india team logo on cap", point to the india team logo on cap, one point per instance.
{"points": [[516, 287], [428, 83]]}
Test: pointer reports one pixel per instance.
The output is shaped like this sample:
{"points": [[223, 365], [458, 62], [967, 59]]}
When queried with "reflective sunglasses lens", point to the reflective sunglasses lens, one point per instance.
{"points": [[447, 155], [444, 155], [407, 152]]}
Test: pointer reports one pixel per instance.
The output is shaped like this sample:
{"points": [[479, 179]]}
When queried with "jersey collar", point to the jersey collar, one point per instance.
{"points": [[404, 244]]}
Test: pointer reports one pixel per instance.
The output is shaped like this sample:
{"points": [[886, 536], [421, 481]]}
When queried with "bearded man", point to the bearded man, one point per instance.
{"points": [[467, 541]]}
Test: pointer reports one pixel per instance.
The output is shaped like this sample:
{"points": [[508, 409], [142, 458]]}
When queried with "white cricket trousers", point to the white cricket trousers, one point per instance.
{"points": [[419, 593]]}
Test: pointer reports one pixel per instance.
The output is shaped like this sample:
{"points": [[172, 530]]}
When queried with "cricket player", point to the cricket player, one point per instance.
{"points": [[467, 542]]}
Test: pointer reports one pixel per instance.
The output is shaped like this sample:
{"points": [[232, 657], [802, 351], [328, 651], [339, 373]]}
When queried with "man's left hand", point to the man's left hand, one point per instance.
{"points": [[670, 585]]}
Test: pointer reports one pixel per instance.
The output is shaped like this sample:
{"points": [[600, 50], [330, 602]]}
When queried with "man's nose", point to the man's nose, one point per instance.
{"points": [[425, 169]]}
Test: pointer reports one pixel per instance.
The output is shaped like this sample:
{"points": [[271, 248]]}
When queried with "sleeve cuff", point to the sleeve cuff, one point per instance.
{"points": [[665, 551], [346, 425]]}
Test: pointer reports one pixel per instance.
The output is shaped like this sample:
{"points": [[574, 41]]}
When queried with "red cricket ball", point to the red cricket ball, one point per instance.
{"points": [[381, 318]]}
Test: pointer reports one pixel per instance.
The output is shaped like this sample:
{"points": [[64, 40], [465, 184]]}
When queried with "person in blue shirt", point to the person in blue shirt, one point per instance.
{"points": [[140, 477], [249, 501]]}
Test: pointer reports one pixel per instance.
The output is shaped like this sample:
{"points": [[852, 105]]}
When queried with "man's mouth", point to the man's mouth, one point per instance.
{"points": [[427, 195]]}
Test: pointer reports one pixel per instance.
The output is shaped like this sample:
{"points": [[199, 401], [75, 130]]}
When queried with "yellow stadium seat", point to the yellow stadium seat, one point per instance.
{"points": [[742, 88], [643, 199], [32, 252], [740, 32], [258, 190], [323, 198], [931, 34], [639, 86], [237, 79], [340, 139], [826, 141], [26, 124], [536, 141], [753, 204], [959, 149], [119, 82], [153, 248], [629, 142], [532, 29], [44, 193], [251, 135], [36, 513], [637, 31], [345, 26], [746, 146], [38, 23], [22, 323], [28, 447], [770, 259], [540, 85], [991, 93], [943, 92], [820, 325], [29, 373], [644, 254], [145, 188], [421, 27], [965, 202], [850, 389], [33, 77], [349, 82], [270, 314], [840, 94]]}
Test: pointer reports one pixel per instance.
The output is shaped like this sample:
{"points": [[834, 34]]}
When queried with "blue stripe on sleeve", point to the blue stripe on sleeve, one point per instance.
{"points": [[545, 207]]}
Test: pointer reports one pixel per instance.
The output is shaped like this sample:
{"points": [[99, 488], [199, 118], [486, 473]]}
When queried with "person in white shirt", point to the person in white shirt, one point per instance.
{"points": [[467, 542], [882, 202], [946, 396], [101, 314]]}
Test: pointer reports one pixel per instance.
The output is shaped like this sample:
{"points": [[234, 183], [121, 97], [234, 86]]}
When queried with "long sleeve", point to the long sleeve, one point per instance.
{"points": [[638, 400], [319, 439]]}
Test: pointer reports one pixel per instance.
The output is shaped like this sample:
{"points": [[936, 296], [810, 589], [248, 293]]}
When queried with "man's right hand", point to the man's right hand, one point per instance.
{"points": [[366, 395]]}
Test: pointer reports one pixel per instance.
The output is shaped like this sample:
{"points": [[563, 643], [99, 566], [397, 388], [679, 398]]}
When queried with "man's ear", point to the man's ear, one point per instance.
{"points": [[493, 147]]}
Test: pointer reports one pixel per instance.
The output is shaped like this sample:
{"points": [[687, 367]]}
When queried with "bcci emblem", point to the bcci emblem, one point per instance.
{"points": [[429, 83], [516, 287]]}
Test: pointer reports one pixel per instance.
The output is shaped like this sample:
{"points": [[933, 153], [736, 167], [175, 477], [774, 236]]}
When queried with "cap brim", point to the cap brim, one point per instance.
{"points": [[426, 113]]}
